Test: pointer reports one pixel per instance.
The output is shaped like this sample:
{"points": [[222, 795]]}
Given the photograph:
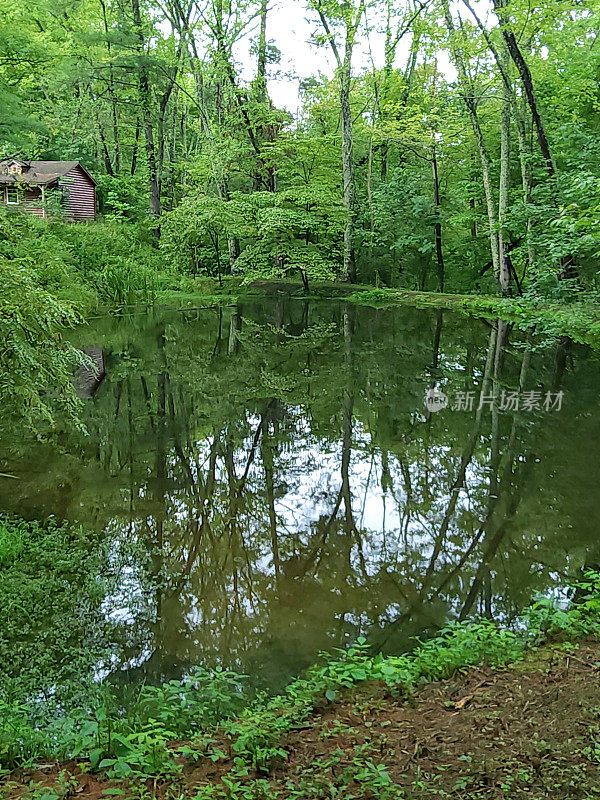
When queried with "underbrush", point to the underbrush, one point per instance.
{"points": [[126, 733], [120, 261], [36, 364], [134, 736]]}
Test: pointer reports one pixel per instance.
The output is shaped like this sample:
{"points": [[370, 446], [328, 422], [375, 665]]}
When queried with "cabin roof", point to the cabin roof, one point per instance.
{"points": [[40, 173]]}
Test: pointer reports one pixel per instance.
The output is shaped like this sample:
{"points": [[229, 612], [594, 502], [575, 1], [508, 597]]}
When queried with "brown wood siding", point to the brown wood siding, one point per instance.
{"points": [[80, 195], [31, 196]]}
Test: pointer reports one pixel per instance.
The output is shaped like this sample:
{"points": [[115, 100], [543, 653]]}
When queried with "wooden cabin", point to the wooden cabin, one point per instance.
{"points": [[26, 184]]}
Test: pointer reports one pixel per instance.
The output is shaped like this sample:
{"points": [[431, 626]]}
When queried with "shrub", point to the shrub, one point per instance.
{"points": [[36, 364], [52, 274]]}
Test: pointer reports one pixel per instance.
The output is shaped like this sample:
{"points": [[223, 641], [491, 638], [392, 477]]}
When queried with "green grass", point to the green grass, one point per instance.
{"points": [[12, 541]]}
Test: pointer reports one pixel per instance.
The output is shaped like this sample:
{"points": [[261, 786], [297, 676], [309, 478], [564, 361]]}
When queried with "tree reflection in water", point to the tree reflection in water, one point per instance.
{"points": [[271, 483]]}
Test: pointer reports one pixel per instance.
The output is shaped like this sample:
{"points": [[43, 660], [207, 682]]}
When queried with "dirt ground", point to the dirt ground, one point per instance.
{"points": [[530, 731]]}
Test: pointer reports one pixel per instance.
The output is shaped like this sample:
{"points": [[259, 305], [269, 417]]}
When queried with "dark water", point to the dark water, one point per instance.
{"points": [[268, 483]]}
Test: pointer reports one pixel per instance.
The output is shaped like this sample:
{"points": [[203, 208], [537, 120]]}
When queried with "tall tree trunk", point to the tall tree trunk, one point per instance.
{"points": [[134, 151], [568, 268], [467, 90], [266, 132], [107, 162], [349, 268], [111, 91], [527, 81], [390, 52], [345, 74], [146, 106], [503, 64], [437, 227], [370, 197], [503, 194], [261, 66], [526, 177], [472, 202], [162, 111], [223, 52], [221, 185]]}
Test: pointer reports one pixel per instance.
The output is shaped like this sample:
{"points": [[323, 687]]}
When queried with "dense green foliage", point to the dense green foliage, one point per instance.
{"points": [[395, 171], [52, 276], [279, 229], [440, 170]]}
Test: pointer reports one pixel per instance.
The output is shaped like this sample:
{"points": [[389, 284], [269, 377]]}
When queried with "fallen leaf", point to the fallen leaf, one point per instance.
{"points": [[463, 701]]}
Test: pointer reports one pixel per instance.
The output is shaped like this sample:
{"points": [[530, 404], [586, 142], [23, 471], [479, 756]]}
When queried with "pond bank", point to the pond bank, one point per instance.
{"points": [[579, 321], [478, 711], [527, 730]]}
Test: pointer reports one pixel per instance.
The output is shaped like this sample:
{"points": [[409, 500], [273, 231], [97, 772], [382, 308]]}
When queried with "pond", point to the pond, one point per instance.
{"points": [[262, 482]]}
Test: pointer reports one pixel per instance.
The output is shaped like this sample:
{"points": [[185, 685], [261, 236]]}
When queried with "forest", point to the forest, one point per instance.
{"points": [[241, 556], [447, 146], [438, 147]]}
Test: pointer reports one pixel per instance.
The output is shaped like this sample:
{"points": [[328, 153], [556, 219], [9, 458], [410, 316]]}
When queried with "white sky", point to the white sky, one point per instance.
{"points": [[291, 27]]}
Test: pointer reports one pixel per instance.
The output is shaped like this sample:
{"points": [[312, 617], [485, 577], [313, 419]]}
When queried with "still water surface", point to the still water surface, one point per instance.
{"points": [[267, 481]]}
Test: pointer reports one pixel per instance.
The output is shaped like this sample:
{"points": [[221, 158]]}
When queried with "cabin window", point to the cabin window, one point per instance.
{"points": [[12, 196]]}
